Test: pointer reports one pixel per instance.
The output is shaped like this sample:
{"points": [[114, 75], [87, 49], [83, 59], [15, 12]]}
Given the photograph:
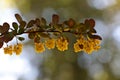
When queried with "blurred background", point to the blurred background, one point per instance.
{"points": [[67, 65]]}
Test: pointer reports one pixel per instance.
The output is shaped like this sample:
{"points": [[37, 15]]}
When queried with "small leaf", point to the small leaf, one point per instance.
{"points": [[8, 37], [21, 38], [1, 39], [15, 26], [18, 17], [31, 35], [71, 22], [44, 35], [94, 36], [1, 44], [22, 24], [37, 21], [30, 23], [1, 31], [43, 22], [93, 30], [21, 30], [90, 23], [55, 19], [5, 27]]}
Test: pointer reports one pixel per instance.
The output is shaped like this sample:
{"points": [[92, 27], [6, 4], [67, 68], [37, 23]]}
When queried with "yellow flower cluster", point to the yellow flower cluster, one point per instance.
{"points": [[62, 44], [50, 44], [8, 50], [78, 46], [87, 45], [16, 49], [39, 47]]}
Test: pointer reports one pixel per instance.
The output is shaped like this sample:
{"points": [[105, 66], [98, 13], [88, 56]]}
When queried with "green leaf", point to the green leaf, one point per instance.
{"points": [[31, 35], [21, 30], [15, 26], [44, 35], [18, 17], [21, 38]]}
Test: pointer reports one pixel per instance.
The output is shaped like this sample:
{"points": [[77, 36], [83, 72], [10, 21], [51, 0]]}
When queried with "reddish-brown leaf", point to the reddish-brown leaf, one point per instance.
{"points": [[1, 31], [95, 36], [43, 22], [18, 17], [5, 27], [37, 21], [30, 23], [22, 24], [8, 37], [55, 19], [71, 22], [93, 30], [90, 23], [1, 39], [1, 44]]}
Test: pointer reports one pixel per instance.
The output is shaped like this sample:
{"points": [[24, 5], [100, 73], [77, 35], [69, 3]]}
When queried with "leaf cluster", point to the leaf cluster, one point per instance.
{"points": [[39, 28]]}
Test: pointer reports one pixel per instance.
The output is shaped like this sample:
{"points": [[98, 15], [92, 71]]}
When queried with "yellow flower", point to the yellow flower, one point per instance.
{"points": [[96, 48], [88, 47], [62, 44], [18, 48], [91, 45], [39, 47], [50, 44], [78, 47], [96, 44], [8, 50]]}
